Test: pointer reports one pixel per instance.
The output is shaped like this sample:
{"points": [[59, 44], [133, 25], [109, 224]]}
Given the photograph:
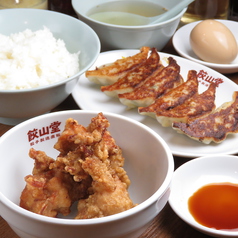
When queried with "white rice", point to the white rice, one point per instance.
{"points": [[32, 59]]}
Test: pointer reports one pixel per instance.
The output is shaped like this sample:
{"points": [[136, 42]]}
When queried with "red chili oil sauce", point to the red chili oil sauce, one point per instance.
{"points": [[216, 206]]}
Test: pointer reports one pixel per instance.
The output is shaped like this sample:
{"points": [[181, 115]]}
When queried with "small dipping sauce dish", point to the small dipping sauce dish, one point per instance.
{"points": [[208, 184]]}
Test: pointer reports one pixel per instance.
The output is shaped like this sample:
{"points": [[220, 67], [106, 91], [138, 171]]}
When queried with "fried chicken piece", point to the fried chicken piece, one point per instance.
{"points": [[74, 143], [78, 142], [45, 196], [50, 191], [75, 135], [113, 157], [107, 150], [110, 195], [44, 192], [56, 184]]}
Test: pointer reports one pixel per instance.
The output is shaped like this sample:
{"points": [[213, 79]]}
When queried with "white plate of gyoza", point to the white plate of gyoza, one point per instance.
{"points": [[192, 107]]}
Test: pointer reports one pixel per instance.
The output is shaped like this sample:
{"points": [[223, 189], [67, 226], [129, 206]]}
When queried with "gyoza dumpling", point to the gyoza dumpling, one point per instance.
{"points": [[196, 106], [110, 73], [213, 127], [160, 82], [134, 77], [174, 97]]}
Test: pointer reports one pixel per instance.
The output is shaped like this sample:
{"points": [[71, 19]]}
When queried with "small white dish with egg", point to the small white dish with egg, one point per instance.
{"points": [[183, 42], [215, 179]]}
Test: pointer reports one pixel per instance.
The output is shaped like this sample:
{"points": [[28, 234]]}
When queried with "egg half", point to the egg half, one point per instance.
{"points": [[213, 42]]}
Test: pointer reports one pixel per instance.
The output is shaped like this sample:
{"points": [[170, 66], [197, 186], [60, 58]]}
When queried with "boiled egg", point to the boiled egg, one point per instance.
{"points": [[213, 42]]}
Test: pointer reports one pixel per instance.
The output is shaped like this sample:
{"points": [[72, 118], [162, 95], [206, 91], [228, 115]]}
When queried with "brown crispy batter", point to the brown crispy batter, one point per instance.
{"points": [[49, 191], [109, 194]]}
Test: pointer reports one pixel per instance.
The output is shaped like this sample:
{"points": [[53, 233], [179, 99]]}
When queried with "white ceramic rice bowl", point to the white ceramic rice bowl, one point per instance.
{"points": [[149, 164], [129, 37], [17, 105]]}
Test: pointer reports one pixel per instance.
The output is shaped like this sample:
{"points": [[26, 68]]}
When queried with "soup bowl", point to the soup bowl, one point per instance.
{"points": [[128, 37]]}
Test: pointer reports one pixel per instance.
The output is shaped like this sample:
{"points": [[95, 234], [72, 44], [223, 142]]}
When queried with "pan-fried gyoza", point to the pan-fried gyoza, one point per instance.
{"points": [[159, 91]]}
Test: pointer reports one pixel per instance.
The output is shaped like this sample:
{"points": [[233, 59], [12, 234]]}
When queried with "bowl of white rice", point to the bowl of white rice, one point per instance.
{"points": [[42, 55]]}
